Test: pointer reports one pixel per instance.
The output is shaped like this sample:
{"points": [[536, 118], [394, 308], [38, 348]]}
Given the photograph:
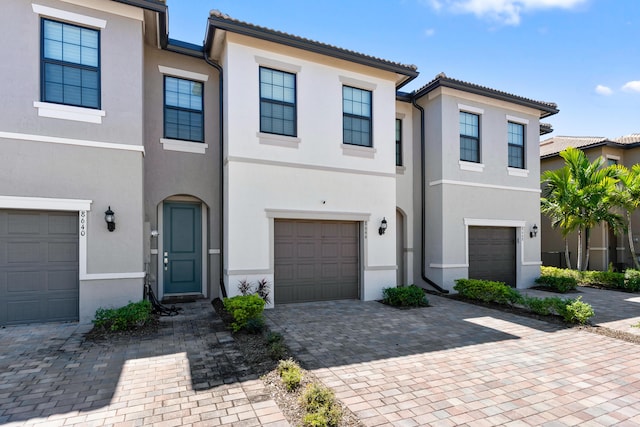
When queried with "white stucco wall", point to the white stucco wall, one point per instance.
{"points": [[405, 190], [294, 176]]}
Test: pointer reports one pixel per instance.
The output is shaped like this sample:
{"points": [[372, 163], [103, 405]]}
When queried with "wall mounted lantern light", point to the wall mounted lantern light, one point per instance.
{"points": [[534, 231], [383, 226], [110, 218]]}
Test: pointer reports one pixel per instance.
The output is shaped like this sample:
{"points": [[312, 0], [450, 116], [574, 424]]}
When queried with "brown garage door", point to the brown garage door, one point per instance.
{"points": [[315, 260], [38, 266], [492, 254]]}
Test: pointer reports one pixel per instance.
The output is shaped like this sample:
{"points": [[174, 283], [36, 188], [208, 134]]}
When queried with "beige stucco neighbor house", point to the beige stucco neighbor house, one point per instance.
{"points": [[606, 247], [256, 155]]}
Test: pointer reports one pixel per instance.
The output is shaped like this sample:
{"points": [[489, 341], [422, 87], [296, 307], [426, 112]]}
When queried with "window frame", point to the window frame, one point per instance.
{"points": [[44, 61], [399, 159], [511, 145], [294, 105], [475, 138], [176, 108], [356, 116]]}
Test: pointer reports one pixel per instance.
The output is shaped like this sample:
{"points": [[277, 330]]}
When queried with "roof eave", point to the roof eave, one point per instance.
{"points": [[545, 109], [308, 45]]}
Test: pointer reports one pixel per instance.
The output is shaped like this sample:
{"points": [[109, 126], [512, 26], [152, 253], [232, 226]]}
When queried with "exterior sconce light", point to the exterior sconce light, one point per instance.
{"points": [[110, 218], [383, 226], [534, 231]]}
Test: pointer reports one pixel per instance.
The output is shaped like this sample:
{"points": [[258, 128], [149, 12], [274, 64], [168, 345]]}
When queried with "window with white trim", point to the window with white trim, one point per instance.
{"points": [[356, 116], [183, 109], [515, 137], [70, 64], [277, 102], [398, 142], [469, 137]]}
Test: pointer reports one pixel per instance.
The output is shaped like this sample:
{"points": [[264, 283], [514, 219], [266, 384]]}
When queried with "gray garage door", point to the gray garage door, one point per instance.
{"points": [[315, 261], [38, 266], [492, 254]]}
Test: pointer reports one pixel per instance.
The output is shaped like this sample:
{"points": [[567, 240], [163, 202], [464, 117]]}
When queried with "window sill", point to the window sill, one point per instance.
{"points": [[68, 112], [400, 170], [278, 140], [471, 166], [518, 172], [184, 146], [358, 151]]}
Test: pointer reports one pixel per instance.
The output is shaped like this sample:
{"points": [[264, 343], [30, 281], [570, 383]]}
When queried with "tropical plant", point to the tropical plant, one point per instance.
{"points": [[628, 197], [579, 196]]}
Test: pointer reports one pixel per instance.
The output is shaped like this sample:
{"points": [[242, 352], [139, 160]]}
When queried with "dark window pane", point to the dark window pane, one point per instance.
{"points": [[183, 116], [277, 102], [356, 116]]}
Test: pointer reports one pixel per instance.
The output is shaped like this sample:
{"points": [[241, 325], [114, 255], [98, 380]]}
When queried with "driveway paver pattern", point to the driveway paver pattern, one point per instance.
{"points": [[186, 375], [455, 364]]}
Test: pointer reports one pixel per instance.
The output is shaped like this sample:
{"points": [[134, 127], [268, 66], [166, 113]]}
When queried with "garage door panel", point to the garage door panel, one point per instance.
{"points": [[38, 266], [23, 281], [315, 270]]}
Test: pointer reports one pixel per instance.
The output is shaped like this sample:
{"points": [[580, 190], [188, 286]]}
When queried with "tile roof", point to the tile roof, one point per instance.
{"points": [[556, 144], [547, 108], [220, 20]]}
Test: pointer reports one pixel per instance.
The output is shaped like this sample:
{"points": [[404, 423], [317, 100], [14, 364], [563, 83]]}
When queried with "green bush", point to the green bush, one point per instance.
{"points": [[560, 272], [244, 308], [130, 316], [562, 284], [578, 311], [290, 373], [321, 407], [405, 296], [632, 280], [540, 306], [487, 291], [605, 279]]}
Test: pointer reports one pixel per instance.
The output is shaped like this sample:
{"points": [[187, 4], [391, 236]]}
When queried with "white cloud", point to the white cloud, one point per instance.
{"points": [[429, 32], [603, 90], [632, 86], [507, 12]]}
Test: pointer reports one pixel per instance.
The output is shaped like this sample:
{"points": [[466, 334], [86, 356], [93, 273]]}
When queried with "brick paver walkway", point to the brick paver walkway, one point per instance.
{"points": [[187, 375], [458, 364]]}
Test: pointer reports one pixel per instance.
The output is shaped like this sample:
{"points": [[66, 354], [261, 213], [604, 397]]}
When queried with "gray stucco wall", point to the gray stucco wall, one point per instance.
{"points": [[173, 173]]}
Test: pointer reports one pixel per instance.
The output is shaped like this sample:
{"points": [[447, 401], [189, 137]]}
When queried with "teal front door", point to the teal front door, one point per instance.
{"points": [[182, 253]]}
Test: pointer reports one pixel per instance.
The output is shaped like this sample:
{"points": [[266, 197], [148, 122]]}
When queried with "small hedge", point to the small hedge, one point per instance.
{"points": [[628, 281], [245, 309], [487, 291], [571, 310], [131, 316], [558, 283], [405, 296]]}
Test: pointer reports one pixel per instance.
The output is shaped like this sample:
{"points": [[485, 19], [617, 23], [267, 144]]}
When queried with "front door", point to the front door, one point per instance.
{"points": [[182, 253]]}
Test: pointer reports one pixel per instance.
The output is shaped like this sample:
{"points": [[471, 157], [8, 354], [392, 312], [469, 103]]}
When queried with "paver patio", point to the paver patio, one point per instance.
{"points": [[449, 364]]}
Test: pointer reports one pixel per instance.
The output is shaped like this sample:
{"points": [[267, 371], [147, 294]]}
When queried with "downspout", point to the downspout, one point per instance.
{"points": [[221, 168], [423, 178]]}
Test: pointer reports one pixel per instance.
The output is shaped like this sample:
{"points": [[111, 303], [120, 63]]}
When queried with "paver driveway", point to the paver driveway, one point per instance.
{"points": [[459, 364]]}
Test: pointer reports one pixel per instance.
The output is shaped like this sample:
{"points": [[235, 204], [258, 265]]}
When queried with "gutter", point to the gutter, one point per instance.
{"points": [[423, 178], [221, 167]]}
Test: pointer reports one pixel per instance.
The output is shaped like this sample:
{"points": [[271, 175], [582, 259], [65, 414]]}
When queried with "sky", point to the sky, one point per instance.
{"points": [[583, 55]]}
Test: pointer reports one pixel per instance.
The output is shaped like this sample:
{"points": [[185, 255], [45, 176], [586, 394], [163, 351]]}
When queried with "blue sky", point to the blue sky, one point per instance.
{"points": [[582, 54]]}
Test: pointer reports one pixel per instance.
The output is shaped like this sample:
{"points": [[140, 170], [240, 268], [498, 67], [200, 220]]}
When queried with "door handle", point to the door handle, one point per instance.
{"points": [[166, 261]]}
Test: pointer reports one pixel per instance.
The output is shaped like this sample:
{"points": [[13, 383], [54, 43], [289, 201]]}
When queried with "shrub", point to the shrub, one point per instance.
{"points": [[255, 325], [290, 373], [540, 306], [262, 289], [405, 296], [243, 308], [632, 280], [321, 406], [560, 272], [562, 284], [487, 291], [578, 311], [130, 316], [606, 279]]}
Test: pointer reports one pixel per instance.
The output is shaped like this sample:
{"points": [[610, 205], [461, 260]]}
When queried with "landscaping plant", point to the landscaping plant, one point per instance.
{"points": [[487, 291], [405, 296], [244, 308], [132, 315], [321, 407]]}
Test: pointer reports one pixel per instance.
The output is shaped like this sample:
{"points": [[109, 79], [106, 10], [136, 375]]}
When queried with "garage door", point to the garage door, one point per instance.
{"points": [[38, 266], [492, 254], [315, 261]]}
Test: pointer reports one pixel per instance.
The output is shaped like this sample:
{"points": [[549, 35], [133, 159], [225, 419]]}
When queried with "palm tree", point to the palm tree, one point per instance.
{"points": [[629, 199], [585, 194]]}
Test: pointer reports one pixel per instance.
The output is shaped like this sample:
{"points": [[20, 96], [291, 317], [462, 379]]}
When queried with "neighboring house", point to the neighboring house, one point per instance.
{"points": [[606, 247], [258, 155]]}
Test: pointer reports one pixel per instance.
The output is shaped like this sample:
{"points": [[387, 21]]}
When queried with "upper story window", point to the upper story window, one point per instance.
{"points": [[70, 64], [469, 137], [183, 109], [356, 116], [277, 102], [515, 136], [398, 142], [612, 161]]}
